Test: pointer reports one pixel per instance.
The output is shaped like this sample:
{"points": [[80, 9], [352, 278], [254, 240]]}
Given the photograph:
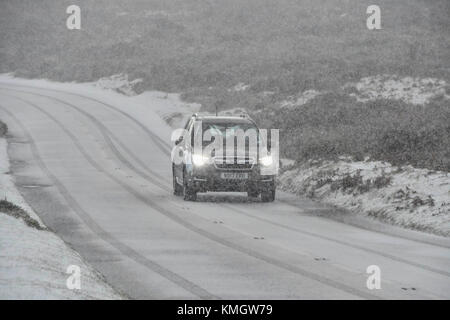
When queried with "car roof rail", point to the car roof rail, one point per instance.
{"points": [[246, 116]]}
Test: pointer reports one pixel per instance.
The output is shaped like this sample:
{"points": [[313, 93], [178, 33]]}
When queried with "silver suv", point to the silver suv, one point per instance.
{"points": [[238, 170]]}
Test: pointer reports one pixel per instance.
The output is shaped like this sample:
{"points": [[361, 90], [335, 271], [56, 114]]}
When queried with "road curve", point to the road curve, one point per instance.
{"points": [[101, 179]]}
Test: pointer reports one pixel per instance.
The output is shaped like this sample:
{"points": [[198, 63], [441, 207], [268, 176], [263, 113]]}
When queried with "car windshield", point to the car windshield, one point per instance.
{"points": [[227, 129]]}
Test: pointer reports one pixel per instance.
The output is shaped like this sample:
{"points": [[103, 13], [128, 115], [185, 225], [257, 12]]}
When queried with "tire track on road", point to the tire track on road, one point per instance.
{"points": [[355, 246]]}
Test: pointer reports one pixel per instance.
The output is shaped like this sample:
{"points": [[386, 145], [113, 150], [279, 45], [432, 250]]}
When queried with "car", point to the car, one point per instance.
{"points": [[228, 171]]}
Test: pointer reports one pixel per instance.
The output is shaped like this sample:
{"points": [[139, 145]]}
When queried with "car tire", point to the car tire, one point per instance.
{"points": [[177, 189], [189, 194], [268, 195], [252, 193]]}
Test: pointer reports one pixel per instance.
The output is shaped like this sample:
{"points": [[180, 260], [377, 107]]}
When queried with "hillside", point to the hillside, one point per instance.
{"points": [[257, 55], [281, 45]]}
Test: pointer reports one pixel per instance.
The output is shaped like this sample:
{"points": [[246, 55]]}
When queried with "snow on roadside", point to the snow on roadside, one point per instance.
{"points": [[169, 107], [417, 91], [154, 109], [409, 197], [33, 262], [8, 190], [118, 83], [33, 265]]}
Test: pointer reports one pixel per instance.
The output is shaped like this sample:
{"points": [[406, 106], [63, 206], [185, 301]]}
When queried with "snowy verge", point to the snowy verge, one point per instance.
{"points": [[404, 196], [8, 190], [419, 91], [167, 106], [33, 265], [118, 83], [147, 108], [33, 260]]}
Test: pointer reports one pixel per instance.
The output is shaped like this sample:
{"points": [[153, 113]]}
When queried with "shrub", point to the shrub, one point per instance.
{"points": [[382, 181], [355, 182], [347, 182]]}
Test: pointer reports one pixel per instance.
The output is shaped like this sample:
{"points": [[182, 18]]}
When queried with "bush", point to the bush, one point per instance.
{"points": [[382, 181], [355, 182], [347, 182]]}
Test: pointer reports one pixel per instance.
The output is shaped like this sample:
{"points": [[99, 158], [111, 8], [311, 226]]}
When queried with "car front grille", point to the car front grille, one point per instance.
{"points": [[236, 164]]}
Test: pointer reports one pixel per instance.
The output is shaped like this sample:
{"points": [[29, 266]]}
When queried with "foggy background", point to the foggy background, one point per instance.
{"points": [[273, 49]]}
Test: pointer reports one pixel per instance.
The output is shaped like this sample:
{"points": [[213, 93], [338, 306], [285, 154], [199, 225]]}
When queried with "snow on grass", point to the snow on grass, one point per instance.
{"points": [[33, 260], [234, 112], [118, 83], [241, 86], [299, 100], [287, 163], [417, 91], [409, 197], [168, 106]]}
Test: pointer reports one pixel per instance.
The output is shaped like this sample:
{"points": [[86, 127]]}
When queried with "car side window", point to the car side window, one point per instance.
{"points": [[190, 130]]}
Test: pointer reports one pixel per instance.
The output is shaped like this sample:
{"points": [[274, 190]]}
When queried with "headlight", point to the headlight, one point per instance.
{"points": [[199, 160], [266, 161]]}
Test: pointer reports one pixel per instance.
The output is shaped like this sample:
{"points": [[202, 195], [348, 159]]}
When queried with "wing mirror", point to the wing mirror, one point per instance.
{"points": [[179, 140]]}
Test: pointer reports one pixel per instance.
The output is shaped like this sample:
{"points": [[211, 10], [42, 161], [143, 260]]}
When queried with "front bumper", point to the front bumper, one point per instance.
{"points": [[208, 178]]}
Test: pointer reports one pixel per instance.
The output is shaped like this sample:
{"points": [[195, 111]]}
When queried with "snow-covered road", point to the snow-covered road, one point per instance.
{"points": [[98, 173]]}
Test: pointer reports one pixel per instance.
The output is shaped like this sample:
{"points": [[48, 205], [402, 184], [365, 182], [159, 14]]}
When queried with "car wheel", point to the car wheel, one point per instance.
{"points": [[177, 189], [252, 193], [268, 195], [189, 193]]}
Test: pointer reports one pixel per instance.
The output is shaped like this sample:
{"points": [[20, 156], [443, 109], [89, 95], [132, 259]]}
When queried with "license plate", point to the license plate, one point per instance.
{"points": [[234, 175]]}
